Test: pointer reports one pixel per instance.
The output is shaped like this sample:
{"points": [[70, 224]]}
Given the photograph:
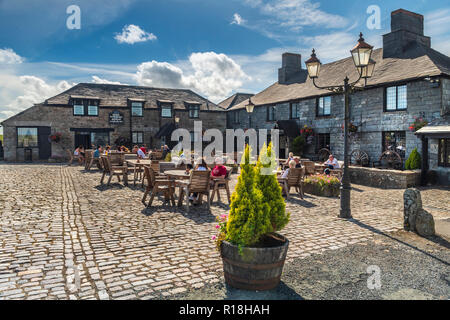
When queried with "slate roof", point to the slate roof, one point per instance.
{"points": [[234, 99], [417, 62], [112, 95]]}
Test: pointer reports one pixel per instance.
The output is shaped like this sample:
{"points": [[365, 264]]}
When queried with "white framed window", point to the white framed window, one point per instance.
{"points": [[166, 111], [137, 109], [323, 106]]}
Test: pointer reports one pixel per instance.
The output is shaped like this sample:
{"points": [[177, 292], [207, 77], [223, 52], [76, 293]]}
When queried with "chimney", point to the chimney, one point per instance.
{"points": [[291, 67], [406, 32]]}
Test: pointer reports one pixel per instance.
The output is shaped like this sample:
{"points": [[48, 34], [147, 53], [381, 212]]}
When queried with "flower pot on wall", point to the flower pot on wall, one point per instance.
{"points": [[255, 268]]}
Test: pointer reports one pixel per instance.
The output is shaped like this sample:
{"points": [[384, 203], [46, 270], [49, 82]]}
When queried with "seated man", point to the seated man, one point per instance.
{"points": [[332, 163], [97, 152], [297, 162], [141, 154]]}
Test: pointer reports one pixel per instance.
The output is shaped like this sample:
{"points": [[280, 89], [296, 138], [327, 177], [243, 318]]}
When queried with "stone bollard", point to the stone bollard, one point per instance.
{"points": [[415, 218]]}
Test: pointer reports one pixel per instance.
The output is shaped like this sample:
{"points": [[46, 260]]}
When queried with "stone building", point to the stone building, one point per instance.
{"points": [[411, 80], [92, 114]]}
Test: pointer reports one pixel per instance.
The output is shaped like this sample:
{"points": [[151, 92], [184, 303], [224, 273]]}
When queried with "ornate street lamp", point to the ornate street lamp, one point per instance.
{"points": [[249, 107], [361, 55]]}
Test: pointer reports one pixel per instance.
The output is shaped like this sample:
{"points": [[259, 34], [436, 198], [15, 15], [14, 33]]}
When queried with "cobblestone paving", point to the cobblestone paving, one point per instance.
{"points": [[62, 236]]}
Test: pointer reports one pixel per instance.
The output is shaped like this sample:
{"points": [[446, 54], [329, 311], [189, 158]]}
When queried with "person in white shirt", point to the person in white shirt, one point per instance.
{"points": [[285, 173], [141, 154], [332, 163]]}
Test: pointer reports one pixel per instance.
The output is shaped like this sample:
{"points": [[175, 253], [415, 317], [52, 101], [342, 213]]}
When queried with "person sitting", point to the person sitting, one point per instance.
{"points": [[219, 171], [79, 153], [135, 149], [144, 148], [97, 152], [107, 150], [332, 163], [201, 165], [297, 162], [285, 173], [140, 153], [289, 159], [166, 150]]}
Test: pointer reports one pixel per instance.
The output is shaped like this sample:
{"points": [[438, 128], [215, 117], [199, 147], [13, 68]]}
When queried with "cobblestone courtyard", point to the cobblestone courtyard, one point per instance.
{"points": [[55, 219]]}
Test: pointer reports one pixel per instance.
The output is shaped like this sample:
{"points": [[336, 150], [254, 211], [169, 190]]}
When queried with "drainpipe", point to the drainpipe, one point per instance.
{"points": [[423, 174]]}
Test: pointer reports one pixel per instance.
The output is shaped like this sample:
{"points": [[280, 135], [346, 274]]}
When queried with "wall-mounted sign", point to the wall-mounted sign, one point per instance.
{"points": [[116, 117]]}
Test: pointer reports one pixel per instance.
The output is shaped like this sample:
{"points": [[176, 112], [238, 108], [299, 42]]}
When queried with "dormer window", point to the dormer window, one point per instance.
{"points": [[166, 110], [137, 108], [85, 107], [194, 110]]}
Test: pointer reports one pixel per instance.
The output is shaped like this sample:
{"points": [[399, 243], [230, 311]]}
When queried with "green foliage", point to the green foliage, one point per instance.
{"points": [[323, 181], [249, 217], [267, 182], [298, 145], [414, 161]]}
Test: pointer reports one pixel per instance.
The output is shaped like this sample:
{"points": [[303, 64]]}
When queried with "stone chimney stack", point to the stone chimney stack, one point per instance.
{"points": [[291, 67], [406, 31]]}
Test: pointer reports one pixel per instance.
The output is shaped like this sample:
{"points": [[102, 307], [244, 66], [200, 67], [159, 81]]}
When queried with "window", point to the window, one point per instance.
{"points": [[136, 109], [93, 108], [444, 153], [138, 137], [271, 113], [395, 141], [236, 116], [323, 141], [295, 110], [396, 98], [194, 111], [166, 111], [99, 138], [78, 107], [323, 106], [85, 107], [27, 137]]}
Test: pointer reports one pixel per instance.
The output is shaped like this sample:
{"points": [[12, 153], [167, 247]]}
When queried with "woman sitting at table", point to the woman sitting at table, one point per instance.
{"points": [[289, 159], [79, 153], [201, 165]]}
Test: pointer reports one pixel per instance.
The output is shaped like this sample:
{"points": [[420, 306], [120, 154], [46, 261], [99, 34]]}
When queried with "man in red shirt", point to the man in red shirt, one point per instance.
{"points": [[144, 149], [219, 170]]}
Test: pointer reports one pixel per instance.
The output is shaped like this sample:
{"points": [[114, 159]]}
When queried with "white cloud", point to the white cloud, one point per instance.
{"points": [[21, 92], [291, 16], [211, 74], [436, 23], [132, 34], [8, 56], [237, 19], [96, 79]]}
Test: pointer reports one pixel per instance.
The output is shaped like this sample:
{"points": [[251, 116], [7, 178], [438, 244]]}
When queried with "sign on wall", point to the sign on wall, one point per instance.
{"points": [[116, 117]]}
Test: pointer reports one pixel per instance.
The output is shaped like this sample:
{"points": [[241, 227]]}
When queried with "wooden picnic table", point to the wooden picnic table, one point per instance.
{"points": [[177, 174], [137, 166]]}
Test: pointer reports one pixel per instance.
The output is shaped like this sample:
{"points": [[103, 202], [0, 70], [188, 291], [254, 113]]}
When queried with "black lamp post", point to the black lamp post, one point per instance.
{"points": [[361, 54], [249, 107]]}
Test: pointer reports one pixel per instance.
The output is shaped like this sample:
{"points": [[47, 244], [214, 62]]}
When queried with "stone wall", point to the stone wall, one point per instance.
{"points": [[445, 83], [366, 111], [61, 119], [386, 179]]}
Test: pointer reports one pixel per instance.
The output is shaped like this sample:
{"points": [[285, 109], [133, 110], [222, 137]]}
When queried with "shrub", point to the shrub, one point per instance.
{"points": [[322, 185], [414, 161], [298, 145], [267, 182], [249, 217]]}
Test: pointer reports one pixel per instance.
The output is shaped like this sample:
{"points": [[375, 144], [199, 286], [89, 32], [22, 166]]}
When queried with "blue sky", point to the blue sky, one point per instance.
{"points": [[215, 47]]}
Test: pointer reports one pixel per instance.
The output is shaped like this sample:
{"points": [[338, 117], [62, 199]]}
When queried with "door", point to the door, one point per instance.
{"points": [[83, 139], [45, 147]]}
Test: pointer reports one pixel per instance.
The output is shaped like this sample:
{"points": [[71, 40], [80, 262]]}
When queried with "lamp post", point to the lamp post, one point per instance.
{"points": [[249, 107], [361, 55]]}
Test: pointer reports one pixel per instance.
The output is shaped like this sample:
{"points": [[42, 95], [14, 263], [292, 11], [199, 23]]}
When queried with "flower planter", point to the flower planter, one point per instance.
{"points": [[255, 268], [327, 191]]}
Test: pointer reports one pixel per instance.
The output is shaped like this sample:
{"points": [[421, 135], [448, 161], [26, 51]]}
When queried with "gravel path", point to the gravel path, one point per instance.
{"points": [[411, 268]]}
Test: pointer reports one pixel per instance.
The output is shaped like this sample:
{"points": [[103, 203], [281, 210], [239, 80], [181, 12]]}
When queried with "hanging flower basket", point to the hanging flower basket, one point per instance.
{"points": [[418, 124], [55, 137]]}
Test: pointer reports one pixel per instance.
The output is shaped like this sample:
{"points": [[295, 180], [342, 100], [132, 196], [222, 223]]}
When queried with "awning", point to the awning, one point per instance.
{"points": [[438, 128], [290, 127], [166, 130]]}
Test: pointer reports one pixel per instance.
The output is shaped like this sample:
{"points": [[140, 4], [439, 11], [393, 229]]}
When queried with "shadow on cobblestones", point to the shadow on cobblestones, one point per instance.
{"points": [[436, 239]]}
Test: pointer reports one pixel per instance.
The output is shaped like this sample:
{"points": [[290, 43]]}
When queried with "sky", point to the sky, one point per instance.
{"points": [[214, 47]]}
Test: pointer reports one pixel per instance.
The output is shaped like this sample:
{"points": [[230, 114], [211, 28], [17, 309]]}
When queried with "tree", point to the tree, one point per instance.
{"points": [[414, 161], [267, 182], [249, 218]]}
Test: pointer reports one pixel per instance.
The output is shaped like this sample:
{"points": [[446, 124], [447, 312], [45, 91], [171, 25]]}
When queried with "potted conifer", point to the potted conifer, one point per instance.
{"points": [[253, 254]]}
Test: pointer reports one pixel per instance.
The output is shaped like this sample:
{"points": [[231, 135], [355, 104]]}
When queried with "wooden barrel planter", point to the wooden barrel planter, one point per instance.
{"points": [[256, 268]]}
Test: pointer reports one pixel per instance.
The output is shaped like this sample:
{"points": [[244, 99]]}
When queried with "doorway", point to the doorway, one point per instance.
{"points": [[83, 139]]}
